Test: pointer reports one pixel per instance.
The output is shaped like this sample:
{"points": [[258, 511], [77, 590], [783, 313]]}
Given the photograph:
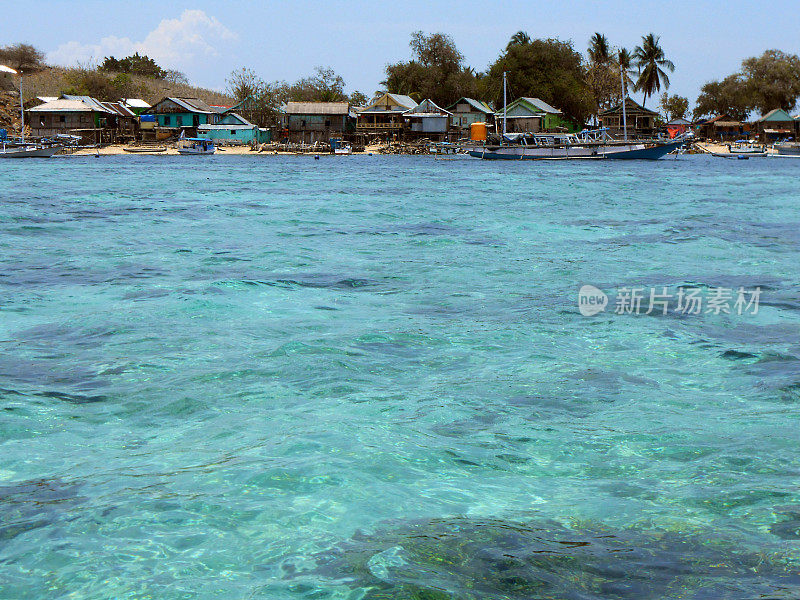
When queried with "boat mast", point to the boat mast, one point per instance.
{"points": [[504, 103], [21, 111], [624, 97]]}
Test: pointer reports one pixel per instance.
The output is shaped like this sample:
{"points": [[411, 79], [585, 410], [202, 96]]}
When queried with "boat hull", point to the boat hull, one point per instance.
{"points": [[30, 152], [618, 152]]}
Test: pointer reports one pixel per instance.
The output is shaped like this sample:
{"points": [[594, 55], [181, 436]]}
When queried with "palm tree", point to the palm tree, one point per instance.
{"points": [[624, 62], [599, 52], [651, 62], [519, 39]]}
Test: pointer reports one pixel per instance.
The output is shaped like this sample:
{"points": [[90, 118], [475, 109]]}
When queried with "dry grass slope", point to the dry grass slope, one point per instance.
{"points": [[54, 80]]}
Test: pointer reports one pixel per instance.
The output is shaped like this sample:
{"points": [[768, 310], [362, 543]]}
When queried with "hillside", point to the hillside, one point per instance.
{"points": [[9, 111], [53, 81]]}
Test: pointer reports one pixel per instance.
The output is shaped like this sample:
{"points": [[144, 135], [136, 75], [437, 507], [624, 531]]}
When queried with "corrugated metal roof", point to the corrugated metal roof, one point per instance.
{"points": [[94, 103], [63, 105], [727, 124], [679, 121], [403, 102], [630, 104], [119, 109], [428, 108], [193, 105], [542, 105], [476, 104], [242, 122], [317, 108], [135, 103], [775, 115], [224, 127]]}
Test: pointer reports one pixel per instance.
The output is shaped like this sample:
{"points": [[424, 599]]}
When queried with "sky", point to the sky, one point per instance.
{"points": [[285, 40]]}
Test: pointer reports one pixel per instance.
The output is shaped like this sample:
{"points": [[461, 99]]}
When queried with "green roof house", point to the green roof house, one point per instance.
{"points": [[775, 125], [467, 111], [532, 114]]}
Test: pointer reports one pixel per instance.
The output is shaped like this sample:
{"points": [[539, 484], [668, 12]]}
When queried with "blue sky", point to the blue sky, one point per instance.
{"points": [[286, 40]]}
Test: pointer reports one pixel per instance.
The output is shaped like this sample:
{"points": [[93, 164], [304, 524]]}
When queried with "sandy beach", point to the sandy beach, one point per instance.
{"points": [[119, 149]]}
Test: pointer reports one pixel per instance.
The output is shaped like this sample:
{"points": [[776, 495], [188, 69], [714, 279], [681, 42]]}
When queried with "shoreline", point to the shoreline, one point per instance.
{"points": [[119, 150]]}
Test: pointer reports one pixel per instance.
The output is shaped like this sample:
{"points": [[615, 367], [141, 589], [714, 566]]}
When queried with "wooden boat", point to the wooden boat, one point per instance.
{"points": [[28, 151], [196, 146], [343, 148], [144, 149]]}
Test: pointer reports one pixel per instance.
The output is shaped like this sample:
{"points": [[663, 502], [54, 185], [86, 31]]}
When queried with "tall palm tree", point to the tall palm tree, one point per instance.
{"points": [[653, 65], [624, 62], [599, 52], [519, 39]]}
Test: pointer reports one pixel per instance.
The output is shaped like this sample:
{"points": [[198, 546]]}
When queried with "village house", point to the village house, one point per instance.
{"points": [[94, 121], [467, 111], [776, 125], [183, 113], [722, 128], [309, 122], [136, 105], [427, 120], [384, 114], [234, 129], [678, 126], [641, 121], [531, 115]]}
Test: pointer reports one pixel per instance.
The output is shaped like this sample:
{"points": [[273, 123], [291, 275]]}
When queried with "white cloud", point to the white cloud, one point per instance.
{"points": [[174, 43]]}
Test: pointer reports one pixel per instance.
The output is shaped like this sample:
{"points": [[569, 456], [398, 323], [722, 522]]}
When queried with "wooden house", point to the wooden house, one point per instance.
{"points": [[96, 122], [776, 125], [186, 113], [384, 114], [234, 129], [678, 126], [427, 120], [531, 115], [641, 121], [467, 111], [309, 122], [722, 128]]}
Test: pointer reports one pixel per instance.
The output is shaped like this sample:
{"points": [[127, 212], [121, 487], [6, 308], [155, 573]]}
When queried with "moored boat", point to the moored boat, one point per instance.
{"points": [[787, 148], [28, 151], [196, 146]]}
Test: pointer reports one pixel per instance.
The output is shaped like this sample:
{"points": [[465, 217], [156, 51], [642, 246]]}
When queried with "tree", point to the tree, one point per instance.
{"points": [[324, 86], [22, 57], [773, 80], [177, 77], [599, 50], [624, 64], [519, 39], [548, 69], [674, 107], [436, 71], [88, 82], [653, 65], [135, 64], [358, 99], [601, 73], [730, 96], [243, 83]]}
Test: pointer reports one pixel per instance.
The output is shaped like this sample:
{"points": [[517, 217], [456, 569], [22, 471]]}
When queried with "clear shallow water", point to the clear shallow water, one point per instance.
{"points": [[238, 377]]}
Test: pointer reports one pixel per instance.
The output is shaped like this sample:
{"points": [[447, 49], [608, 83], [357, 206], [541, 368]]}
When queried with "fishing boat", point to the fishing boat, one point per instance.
{"points": [[145, 149], [787, 148], [588, 144], [28, 151], [343, 148], [24, 150], [195, 145]]}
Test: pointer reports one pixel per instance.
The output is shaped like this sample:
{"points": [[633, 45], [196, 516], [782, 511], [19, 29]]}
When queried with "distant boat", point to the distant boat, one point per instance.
{"points": [[28, 151], [145, 149], [787, 148], [343, 148], [196, 146]]}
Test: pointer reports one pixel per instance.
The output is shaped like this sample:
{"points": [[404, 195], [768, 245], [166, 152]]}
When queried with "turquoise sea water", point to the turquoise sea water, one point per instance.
{"points": [[367, 377]]}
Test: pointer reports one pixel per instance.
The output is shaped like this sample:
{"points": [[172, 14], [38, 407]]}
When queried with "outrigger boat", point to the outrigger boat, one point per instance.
{"points": [[28, 151], [195, 145], [787, 148], [588, 144]]}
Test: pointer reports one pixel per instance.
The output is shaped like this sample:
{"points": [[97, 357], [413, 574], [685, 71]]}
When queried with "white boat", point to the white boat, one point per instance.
{"points": [[343, 148], [748, 147], [195, 146], [28, 151]]}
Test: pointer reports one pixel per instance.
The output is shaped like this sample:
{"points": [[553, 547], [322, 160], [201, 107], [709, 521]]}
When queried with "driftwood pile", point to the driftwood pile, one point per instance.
{"points": [[416, 147]]}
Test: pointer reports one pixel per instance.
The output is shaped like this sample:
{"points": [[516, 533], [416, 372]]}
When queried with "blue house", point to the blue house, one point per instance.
{"points": [[183, 112], [235, 129]]}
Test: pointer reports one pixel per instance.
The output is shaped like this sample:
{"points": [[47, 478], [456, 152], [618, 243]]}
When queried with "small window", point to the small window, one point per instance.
{"points": [[166, 121], [179, 120], [328, 123], [62, 119], [233, 131]]}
